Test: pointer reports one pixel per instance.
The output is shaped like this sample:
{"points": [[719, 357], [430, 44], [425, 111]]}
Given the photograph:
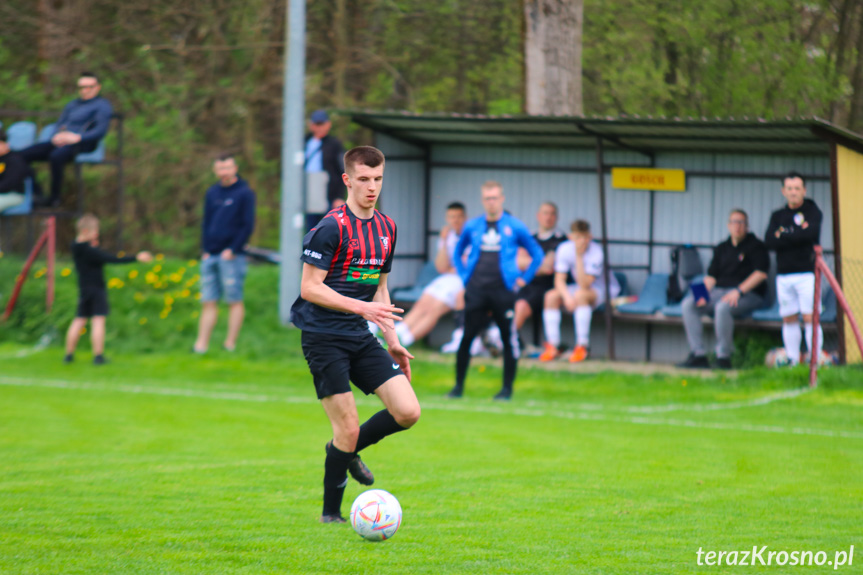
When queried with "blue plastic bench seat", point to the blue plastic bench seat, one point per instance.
{"points": [[412, 293], [21, 135], [653, 296]]}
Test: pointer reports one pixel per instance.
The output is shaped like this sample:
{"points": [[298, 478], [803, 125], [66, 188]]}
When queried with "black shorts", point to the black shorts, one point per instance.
{"points": [[534, 295], [92, 302], [337, 360]]}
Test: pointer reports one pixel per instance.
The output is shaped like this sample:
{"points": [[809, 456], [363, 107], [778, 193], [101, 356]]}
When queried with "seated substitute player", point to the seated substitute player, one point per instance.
{"points": [[346, 259], [793, 232], [93, 294], [532, 296], [445, 293], [583, 258], [735, 285]]}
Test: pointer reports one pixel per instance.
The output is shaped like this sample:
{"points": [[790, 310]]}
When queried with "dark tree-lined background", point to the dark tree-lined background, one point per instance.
{"points": [[201, 76]]}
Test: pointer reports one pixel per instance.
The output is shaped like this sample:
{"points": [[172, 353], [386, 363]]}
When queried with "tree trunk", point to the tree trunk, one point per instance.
{"points": [[55, 38], [552, 56], [855, 117]]}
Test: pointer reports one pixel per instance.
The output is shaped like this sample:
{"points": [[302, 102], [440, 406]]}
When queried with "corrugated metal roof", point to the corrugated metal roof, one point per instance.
{"points": [[792, 135]]}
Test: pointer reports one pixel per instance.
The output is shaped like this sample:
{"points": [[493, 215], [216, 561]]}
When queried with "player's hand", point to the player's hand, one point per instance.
{"points": [[144, 257], [444, 232], [519, 283], [381, 314], [701, 302], [227, 254], [731, 298], [402, 357]]}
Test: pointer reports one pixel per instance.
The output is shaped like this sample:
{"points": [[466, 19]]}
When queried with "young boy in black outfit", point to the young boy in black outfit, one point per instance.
{"points": [[93, 294]]}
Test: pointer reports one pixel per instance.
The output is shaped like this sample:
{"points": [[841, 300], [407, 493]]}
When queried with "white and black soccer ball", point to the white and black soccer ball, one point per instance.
{"points": [[776, 357], [376, 515]]}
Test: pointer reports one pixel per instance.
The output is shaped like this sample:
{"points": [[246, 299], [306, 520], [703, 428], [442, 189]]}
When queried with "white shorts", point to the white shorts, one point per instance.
{"points": [[795, 293], [600, 293], [445, 288]]}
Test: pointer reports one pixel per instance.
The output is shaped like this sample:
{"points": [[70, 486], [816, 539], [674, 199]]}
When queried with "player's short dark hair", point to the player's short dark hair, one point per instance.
{"points": [[88, 75], [224, 156], [580, 227], [456, 206], [363, 155], [741, 212], [792, 175]]}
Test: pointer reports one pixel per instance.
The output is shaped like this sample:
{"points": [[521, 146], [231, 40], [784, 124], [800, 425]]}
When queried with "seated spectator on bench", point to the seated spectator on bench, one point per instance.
{"points": [[735, 285], [582, 258], [532, 296], [445, 293], [13, 171], [83, 123]]}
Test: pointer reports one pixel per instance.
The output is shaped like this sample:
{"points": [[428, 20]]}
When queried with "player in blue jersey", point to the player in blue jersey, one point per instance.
{"points": [[346, 259]]}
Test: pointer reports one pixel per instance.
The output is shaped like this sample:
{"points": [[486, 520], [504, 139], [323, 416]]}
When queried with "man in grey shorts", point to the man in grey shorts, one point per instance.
{"points": [[229, 218], [736, 287]]}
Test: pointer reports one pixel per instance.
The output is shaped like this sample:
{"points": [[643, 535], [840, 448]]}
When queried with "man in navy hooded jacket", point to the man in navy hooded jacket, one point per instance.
{"points": [[83, 123], [229, 219]]}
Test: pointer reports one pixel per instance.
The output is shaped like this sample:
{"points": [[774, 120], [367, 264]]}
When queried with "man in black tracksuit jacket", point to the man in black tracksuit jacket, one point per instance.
{"points": [[793, 232]]}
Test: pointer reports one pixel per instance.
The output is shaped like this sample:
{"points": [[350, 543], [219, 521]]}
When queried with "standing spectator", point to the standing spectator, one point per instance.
{"points": [[793, 232], [735, 284], [582, 258], [13, 171], [446, 292], [492, 278], [229, 218], [530, 299], [82, 124], [324, 157], [92, 292]]}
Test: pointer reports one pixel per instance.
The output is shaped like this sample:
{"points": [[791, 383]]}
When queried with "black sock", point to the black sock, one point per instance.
{"points": [[335, 479], [376, 428]]}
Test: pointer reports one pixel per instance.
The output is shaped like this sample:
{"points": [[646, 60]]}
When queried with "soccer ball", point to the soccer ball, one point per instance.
{"points": [[376, 515], [776, 358]]}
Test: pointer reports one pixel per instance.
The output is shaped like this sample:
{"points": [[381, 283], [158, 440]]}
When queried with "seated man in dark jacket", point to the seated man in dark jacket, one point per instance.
{"points": [[82, 124], [13, 171], [736, 287]]}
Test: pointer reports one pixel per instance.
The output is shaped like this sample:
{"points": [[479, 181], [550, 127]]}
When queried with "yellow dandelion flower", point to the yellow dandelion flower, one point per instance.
{"points": [[190, 263], [133, 274], [176, 278], [1, 255], [157, 268], [160, 257], [121, 254], [83, 330], [139, 297], [39, 273], [151, 278], [181, 271], [198, 295], [142, 321], [168, 299], [185, 293], [65, 272], [195, 315], [164, 314]]}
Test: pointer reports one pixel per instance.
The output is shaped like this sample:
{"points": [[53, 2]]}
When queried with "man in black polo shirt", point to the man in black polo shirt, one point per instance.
{"points": [[735, 283]]}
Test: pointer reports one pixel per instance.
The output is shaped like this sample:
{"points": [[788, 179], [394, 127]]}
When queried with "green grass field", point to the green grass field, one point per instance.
{"points": [[168, 463]]}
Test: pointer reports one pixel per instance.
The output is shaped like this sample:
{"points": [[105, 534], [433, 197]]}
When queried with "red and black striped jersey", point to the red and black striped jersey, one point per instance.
{"points": [[355, 252]]}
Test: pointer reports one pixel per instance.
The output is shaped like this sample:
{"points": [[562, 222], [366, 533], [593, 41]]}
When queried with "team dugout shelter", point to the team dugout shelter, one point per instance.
{"points": [[645, 185]]}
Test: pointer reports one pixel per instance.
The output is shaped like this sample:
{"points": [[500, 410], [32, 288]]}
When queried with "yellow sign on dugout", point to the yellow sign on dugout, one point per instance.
{"points": [[648, 179]]}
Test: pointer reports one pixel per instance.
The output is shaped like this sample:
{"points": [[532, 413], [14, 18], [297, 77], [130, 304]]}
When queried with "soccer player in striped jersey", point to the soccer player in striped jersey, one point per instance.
{"points": [[346, 258]]}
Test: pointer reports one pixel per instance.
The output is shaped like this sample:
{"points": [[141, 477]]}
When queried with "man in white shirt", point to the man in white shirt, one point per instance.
{"points": [[583, 258]]}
